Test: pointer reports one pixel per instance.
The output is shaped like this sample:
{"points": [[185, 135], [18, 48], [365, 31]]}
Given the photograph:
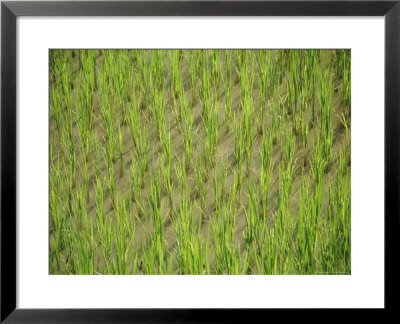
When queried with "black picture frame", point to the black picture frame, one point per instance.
{"points": [[10, 10]]}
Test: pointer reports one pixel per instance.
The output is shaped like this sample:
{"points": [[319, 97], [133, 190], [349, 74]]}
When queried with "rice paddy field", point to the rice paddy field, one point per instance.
{"points": [[200, 162]]}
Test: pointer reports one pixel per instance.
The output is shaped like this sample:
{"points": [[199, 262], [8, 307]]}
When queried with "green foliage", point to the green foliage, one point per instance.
{"points": [[200, 162]]}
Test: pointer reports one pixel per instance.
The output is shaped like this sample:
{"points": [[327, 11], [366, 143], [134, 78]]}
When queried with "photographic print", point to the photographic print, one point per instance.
{"points": [[200, 162]]}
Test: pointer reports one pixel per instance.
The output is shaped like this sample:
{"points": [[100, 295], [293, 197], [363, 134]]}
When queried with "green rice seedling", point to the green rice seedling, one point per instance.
{"points": [[346, 125], [120, 234], [220, 175], [250, 235], [182, 105], [82, 120], [134, 122], [272, 73], [121, 151], [300, 123], [168, 185], [248, 129], [239, 149], [108, 157], [71, 176], [305, 143], [86, 178], [239, 55], [143, 77], [200, 176], [108, 119], [325, 97], [267, 260], [187, 132], [345, 221], [98, 156], [237, 183], [56, 210], [318, 162], [245, 80], [251, 214], [286, 172], [228, 87], [288, 152], [156, 207], [157, 69], [180, 171], [212, 131], [303, 258], [69, 143], [88, 59], [121, 78], [142, 150], [188, 236], [206, 86], [347, 80], [148, 258], [192, 71], [216, 70], [100, 212], [266, 171], [313, 61], [85, 239], [66, 86], [262, 84], [330, 251], [175, 74], [252, 69], [159, 112], [56, 109], [292, 83], [136, 179], [275, 115], [226, 251], [315, 204]]}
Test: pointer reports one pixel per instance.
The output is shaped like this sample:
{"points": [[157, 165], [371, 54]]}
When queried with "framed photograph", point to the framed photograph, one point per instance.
{"points": [[190, 161]]}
